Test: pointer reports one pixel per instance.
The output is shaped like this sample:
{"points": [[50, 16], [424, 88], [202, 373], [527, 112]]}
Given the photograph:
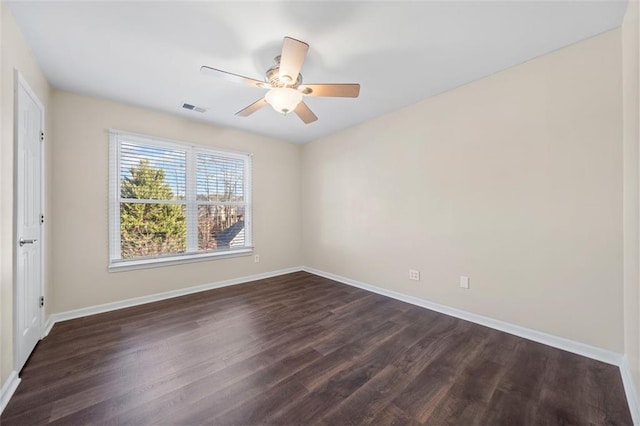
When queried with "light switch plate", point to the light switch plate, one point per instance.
{"points": [[464, 282]]}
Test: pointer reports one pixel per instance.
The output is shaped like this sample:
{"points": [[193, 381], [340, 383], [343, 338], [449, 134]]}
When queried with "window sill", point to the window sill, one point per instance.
{"points": [[129, 265]]}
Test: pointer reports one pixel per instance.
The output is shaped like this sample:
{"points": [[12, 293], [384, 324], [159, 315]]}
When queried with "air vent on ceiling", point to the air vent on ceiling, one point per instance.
{"points": [[193, 107]]}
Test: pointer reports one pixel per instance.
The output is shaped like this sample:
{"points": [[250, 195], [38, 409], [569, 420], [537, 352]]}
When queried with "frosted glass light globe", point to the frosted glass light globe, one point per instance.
{"points": [[283, 99]]}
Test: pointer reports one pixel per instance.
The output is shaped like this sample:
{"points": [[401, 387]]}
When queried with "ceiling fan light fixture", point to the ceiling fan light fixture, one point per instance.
{"points": [[283, 99], [284, 84]]}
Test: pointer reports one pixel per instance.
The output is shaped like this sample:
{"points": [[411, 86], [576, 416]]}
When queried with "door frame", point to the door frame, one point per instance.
{"points": [[21, 82]]}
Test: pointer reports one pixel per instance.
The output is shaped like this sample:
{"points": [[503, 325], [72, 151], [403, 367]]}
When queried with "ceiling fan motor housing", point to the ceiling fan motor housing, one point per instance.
{"points": [[274, 79]]}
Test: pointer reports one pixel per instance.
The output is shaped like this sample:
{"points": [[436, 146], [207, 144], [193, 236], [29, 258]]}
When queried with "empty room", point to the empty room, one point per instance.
{"points": [[320, 212]]}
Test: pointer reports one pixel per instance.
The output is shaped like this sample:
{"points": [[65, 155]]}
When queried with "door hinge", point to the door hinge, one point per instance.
{"points": [[41, 218], [41, 301], [41, 136]]}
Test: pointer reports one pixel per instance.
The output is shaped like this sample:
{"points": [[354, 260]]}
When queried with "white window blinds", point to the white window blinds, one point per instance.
{"points": [[170, 199]]}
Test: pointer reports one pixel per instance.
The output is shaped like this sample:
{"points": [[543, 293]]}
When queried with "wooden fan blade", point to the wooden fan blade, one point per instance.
{"points": [[293, 54], [305, 114], [252, 108], [333, 90], [235, 78]]}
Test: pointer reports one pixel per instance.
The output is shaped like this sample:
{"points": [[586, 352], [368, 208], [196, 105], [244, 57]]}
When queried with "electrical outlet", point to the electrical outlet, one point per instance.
{"points": [[464, 282], [256, 258], [414, 275]]}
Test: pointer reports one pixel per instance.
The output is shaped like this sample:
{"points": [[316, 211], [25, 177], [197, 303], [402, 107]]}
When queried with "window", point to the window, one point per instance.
{"points": [[171, 201]]}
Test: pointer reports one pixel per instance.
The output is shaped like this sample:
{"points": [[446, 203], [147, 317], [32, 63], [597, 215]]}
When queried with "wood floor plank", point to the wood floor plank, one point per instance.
{"points": [[365, 403], [347, 381], [391, 415], [116, 403], [302, 349]]}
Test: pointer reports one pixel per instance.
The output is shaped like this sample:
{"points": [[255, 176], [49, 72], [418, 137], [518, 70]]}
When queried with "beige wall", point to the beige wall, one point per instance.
{"points": [[631, 137], [514, 180], [80, 194], [15, 55]]}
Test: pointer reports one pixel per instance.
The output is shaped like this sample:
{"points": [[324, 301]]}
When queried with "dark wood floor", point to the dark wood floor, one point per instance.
{"points": [[300, 349]]}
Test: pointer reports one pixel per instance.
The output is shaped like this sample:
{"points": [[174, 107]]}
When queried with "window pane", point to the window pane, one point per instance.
{"points": [[152, 229], [175, 199], [220, 227], [220, 178], [152, 172]]}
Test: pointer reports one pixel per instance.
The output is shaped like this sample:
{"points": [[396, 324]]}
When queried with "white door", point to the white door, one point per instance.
{"points": [[28, 197]]}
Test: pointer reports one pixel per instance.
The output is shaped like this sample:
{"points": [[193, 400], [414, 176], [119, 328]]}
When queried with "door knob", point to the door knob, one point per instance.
{"points": [[23, 241]]}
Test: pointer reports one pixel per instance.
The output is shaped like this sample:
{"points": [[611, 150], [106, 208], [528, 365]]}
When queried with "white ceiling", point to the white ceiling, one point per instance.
{"points": [[149, 54]]}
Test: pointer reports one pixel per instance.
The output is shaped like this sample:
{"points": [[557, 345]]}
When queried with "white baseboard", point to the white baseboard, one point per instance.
{"points": [[8, 388], [48, 325], [107, 307], [631, 390], [583, 349]]}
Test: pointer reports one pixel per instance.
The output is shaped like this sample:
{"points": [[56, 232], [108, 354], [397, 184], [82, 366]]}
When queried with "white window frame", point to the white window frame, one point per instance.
{"points": [[116, 263]]}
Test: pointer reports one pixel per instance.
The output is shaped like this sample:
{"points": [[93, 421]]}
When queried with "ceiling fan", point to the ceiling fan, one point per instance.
{"points": [[284, 82]]}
